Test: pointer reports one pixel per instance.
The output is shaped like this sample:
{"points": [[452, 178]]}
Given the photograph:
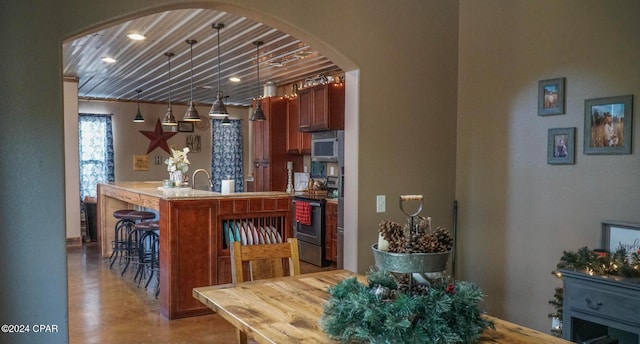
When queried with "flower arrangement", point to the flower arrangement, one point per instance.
{"points": [[178, 165], [178, 161]]}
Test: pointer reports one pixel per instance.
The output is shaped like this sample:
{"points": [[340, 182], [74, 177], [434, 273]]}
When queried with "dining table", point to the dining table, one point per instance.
{"points": [[288, 310]]}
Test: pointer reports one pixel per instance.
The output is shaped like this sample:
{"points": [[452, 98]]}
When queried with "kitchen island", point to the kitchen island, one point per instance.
{"points": [[194, 248]]}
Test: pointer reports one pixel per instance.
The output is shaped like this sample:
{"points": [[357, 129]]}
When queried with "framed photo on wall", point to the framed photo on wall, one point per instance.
{"points": [[551, 97], [186, 127], [561, 146], [616, 235], [608, 124]]}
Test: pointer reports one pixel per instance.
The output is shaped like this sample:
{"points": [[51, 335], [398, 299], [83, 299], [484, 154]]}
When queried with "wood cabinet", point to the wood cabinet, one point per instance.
{"points": [[331, 232], [298, 143], [270, 147], [321, 108], [596, 306]]}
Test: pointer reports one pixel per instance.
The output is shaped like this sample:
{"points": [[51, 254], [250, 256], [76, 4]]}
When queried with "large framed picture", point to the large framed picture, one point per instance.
{"points": [[561, 146], [608, 123], [616, 235], [551, 97]]}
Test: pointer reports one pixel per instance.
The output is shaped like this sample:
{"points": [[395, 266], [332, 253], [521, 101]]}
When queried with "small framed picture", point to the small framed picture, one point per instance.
{"points": [[607, 125], [616, 235], [141, 163], [185, 127], [551, 97], [561, 146]]}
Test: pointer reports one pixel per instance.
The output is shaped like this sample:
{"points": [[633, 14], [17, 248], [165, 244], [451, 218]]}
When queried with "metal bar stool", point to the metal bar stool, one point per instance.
{"points": [[133, 237], [119, 243], [147, 254]]}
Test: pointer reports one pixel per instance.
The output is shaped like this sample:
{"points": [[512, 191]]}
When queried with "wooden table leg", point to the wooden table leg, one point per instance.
{"points": [[241, 336]]}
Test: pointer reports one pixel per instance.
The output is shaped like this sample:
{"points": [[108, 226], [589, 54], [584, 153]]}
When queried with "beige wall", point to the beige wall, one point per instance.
{"points": [[128, 140], [517, 213], [71, 161]]}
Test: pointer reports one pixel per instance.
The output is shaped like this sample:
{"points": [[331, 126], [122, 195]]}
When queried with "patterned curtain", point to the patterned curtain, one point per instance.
{"points": [[226, 154], [96, 152]]}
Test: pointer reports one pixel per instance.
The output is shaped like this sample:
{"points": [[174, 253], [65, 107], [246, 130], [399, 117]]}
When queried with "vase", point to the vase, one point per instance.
{"points": [[177, 177]]}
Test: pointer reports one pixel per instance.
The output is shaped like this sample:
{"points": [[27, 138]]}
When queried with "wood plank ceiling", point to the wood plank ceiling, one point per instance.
{"points": [[143, 65]]}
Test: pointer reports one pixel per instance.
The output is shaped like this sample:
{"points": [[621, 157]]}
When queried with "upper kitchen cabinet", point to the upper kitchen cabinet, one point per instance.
{"points": [[298, 142], [321, 107]]}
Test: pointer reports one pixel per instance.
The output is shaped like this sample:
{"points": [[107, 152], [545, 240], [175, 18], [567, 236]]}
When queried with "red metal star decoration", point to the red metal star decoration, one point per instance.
{"points": [[158, 138]]}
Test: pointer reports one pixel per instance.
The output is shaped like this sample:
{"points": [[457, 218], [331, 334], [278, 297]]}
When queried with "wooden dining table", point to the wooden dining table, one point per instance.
{"points": [[288, 310]]}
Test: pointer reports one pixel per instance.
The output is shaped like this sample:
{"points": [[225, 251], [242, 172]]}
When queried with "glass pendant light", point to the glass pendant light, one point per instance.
{"points": [[218, 108], [192, 113], [258, 114], [138, 118], [168, 118]]}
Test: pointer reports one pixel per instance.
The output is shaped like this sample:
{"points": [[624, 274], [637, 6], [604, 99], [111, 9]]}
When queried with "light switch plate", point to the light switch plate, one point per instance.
{"points": [[381, 203]]}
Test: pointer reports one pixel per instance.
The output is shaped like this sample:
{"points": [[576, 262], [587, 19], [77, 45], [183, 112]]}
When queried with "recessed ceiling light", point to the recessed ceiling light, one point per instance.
{"points": [[109, 59], [136, 36], [234, 79]]}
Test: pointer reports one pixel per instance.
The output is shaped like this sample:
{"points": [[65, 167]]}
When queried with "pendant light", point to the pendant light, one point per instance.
{"points": [[225, 120], [138, 118], [258, 114], [168, 118], [218, 108], [192, 113]]}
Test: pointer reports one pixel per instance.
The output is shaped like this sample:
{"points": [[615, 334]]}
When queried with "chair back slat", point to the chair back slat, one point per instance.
{"points": [[265, 261]]}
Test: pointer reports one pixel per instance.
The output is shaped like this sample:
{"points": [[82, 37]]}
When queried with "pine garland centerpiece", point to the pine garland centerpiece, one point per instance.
{"points": [[385, 311]]}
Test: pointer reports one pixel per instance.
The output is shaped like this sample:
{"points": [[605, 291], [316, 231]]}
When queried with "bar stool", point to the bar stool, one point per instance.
{"points": [[119, 242], [133, 237], [147, 252]]}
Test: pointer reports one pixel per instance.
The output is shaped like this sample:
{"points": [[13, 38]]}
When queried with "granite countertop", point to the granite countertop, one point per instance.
{"points": [[155, 189]]}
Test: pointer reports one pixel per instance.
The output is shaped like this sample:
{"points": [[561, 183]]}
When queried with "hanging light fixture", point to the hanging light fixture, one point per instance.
{"points": [[218, 108], [138, 118], [192, 113], [258, 114], [225, 120], [168, 118]]}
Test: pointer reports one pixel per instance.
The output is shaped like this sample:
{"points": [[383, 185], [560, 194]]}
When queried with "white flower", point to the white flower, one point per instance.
{"points": [[178, 161]]}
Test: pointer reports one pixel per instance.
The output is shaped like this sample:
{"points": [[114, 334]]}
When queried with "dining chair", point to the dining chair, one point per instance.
{"points": [[265, 261]]}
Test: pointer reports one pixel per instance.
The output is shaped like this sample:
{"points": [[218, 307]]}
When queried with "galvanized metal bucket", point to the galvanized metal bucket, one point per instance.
{"points": [[410, 262]]}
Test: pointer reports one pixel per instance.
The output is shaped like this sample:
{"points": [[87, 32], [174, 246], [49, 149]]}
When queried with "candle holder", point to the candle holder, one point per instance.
{"points": [[290, 176]]}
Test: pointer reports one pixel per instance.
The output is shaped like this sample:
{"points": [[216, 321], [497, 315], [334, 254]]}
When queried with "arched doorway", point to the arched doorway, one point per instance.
{"points": [[352, 81]]}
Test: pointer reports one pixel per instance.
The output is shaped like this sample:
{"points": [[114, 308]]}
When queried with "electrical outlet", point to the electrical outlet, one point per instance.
{"points": [[381, 203]]}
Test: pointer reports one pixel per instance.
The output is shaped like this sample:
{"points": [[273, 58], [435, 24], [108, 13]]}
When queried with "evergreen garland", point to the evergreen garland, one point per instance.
{"points": [[443, 313], [620, 263]]}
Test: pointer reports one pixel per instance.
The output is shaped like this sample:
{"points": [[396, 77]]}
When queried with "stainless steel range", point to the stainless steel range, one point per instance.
{"points": [[311, 236]]}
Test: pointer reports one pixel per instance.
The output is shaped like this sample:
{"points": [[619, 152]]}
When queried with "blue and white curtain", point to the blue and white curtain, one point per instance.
{"points": [[226, 154], [96, 152]]}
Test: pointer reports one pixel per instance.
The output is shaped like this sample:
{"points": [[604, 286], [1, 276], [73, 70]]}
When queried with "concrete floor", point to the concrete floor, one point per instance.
{"points": [[107, 308]]}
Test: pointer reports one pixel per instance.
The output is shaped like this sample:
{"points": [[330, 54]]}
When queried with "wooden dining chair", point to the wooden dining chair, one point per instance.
{"points": [[265, 261]]}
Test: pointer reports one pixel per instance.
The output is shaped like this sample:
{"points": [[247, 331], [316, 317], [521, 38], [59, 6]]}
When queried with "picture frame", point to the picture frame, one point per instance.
{"points": [[194, 143], [551, 99], [620, 234], [561, 146], [185, 127], [608, 124], [141, 163]]}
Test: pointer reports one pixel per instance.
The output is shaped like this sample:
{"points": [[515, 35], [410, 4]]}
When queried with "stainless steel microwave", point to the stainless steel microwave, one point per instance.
{"points": [[325, 145]]}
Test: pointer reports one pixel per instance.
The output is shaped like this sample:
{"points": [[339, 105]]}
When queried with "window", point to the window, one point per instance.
{"points": [[96, 152]]}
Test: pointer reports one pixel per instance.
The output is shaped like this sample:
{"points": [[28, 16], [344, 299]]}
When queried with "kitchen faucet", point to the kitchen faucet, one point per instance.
{"points": [[193, 178]]}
